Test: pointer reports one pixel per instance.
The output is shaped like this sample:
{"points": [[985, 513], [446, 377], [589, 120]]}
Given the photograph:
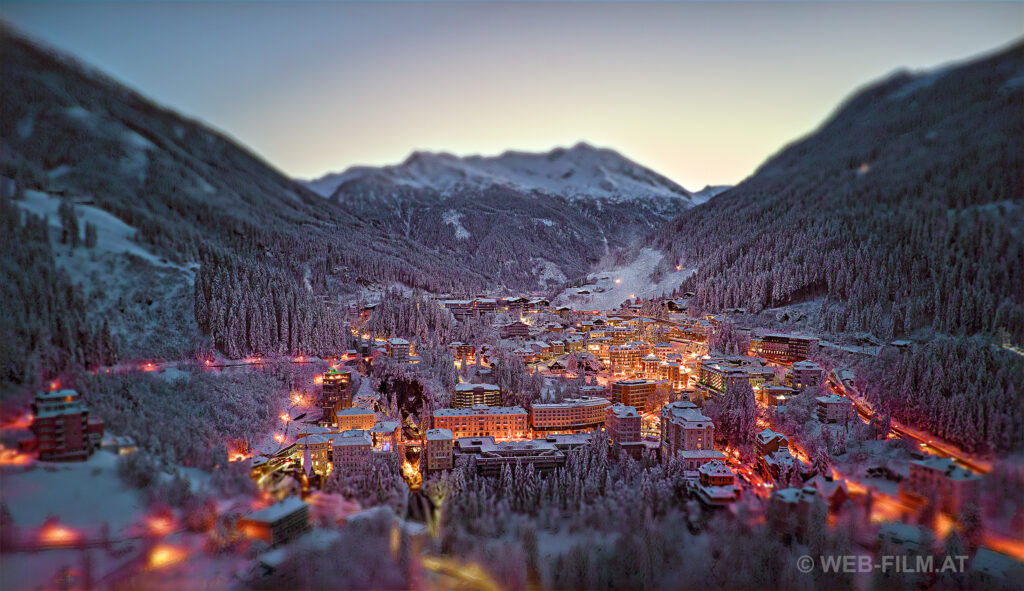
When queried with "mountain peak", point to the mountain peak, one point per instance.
{"points": [[581, 171]]}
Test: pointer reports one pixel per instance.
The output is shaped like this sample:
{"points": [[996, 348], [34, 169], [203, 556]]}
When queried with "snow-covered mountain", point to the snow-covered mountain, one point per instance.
{"points": [[579, 172], [538, 218]]}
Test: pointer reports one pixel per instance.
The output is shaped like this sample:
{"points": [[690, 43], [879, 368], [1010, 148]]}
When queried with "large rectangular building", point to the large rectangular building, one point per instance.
{"points": [[438, 445], [469, 395], [279, 522], [685, 427], [572, 414], [805, 374], [491, 456], [624, 359], [355, 419], [633, 393], [62, 428], [337, 392], [351, 450], [500, 422], [783, 346], [622, 424]]}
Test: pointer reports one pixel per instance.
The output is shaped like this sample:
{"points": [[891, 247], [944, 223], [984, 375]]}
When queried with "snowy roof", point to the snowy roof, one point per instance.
{"points": [[398, 341], [632, 382], [996, 565], [652, 357], [385, 427], [278, 510], [767, 435], [438, 434], [715, 468], [948, 467], [698, 454], [806, 365], [622, 411], [354, 412], [833, 399], [480, 409], [468, 387], [352, 438], [56, 394], [684, 411], [571, 402]]}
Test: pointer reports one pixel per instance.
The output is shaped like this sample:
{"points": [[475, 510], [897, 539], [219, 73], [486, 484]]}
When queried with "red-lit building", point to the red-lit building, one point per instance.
{"points": [[62, 428]]}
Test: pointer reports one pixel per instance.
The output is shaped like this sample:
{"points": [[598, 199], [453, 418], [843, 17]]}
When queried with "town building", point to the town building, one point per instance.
{"points": [[355, 419], [469, 395], [316, 450], [804, 374], [336, 392], [769, 442], [773, 394], [624, 360], [834, 409], [517, 329], [572, 414], [438, 446], [278, 523], [780, 464], [464, 352], [386, 436], [399, 349], [460, 309], [62, 428], [501, 422], [490, 456], [684, 427], [633, 393], [715, 375], [717, 484], [783, 346], [351, 450], [940, 478], [622, 424]]}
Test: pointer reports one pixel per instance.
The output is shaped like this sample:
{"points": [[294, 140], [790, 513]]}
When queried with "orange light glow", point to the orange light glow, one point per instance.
{"points": [[164, 555], [54, 385], [160, 525], [618, 281], [318, 380], [11, 457], [679, 267], [148, 366], [208, 363], [57, 535], [279, 437], [285, 418]]}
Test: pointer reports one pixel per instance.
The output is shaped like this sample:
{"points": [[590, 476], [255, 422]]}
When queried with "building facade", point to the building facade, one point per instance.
{"points": [[572, 414], [684, 427], [633, 393], [62, 429], [469, 395], [500, 422], [438, 445]]}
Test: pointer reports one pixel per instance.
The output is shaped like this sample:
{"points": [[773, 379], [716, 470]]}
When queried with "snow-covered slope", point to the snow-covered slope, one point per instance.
{"points": [[582, 171], [610, 285], [708, 192]]}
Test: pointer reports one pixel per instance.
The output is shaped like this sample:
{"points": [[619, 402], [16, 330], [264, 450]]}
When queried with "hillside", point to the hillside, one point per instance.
{"points": [[902, 215], [192, 234]]}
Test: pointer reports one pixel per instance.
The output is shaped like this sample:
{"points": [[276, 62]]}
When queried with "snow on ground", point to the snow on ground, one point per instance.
{"points": [[113, 235], [454, 219], [547, 272], [620, 283], [80, 494]]}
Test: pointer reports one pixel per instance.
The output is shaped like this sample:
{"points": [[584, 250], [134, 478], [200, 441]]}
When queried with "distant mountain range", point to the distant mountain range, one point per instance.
{"points": [[539, 219], [581, 171]]}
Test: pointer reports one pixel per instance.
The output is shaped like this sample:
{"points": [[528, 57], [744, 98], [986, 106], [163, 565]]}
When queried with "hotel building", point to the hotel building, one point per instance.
{"points": [[572, 414], [501, 422], [469, 395]]}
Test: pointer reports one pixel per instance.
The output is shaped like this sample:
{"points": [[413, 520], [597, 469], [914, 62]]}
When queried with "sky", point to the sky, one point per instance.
{"points": [[700, 92]]}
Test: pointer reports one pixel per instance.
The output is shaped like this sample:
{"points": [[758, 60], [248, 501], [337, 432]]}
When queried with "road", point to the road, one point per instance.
{"points": [[934, 443]]}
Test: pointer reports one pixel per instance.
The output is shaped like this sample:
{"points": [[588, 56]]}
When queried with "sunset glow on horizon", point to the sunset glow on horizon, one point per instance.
{"points": [[702, 93]]}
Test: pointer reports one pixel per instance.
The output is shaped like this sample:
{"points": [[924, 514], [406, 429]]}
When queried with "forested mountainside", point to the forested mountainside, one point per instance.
{"points": [[536, 218], [903, 213], [201, 209]]}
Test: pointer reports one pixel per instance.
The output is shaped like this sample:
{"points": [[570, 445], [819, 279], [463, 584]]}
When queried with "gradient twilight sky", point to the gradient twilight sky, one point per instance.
{"points": [[700, 92]]}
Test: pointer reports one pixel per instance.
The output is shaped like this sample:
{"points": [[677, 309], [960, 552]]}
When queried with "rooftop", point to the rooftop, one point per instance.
{"points": [[438, 434], [468, 387], [278, 510], [480, 409]]}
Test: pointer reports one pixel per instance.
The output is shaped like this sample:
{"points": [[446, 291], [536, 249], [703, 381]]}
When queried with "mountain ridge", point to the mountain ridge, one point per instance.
{"points": [[580, 171]]}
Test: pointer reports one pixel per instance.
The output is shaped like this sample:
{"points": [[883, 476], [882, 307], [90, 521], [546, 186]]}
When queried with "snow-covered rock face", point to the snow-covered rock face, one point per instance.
{"points": [[580, 172]]}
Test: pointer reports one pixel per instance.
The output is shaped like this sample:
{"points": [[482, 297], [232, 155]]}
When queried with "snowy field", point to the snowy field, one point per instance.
{"points": [[79, 494]]}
